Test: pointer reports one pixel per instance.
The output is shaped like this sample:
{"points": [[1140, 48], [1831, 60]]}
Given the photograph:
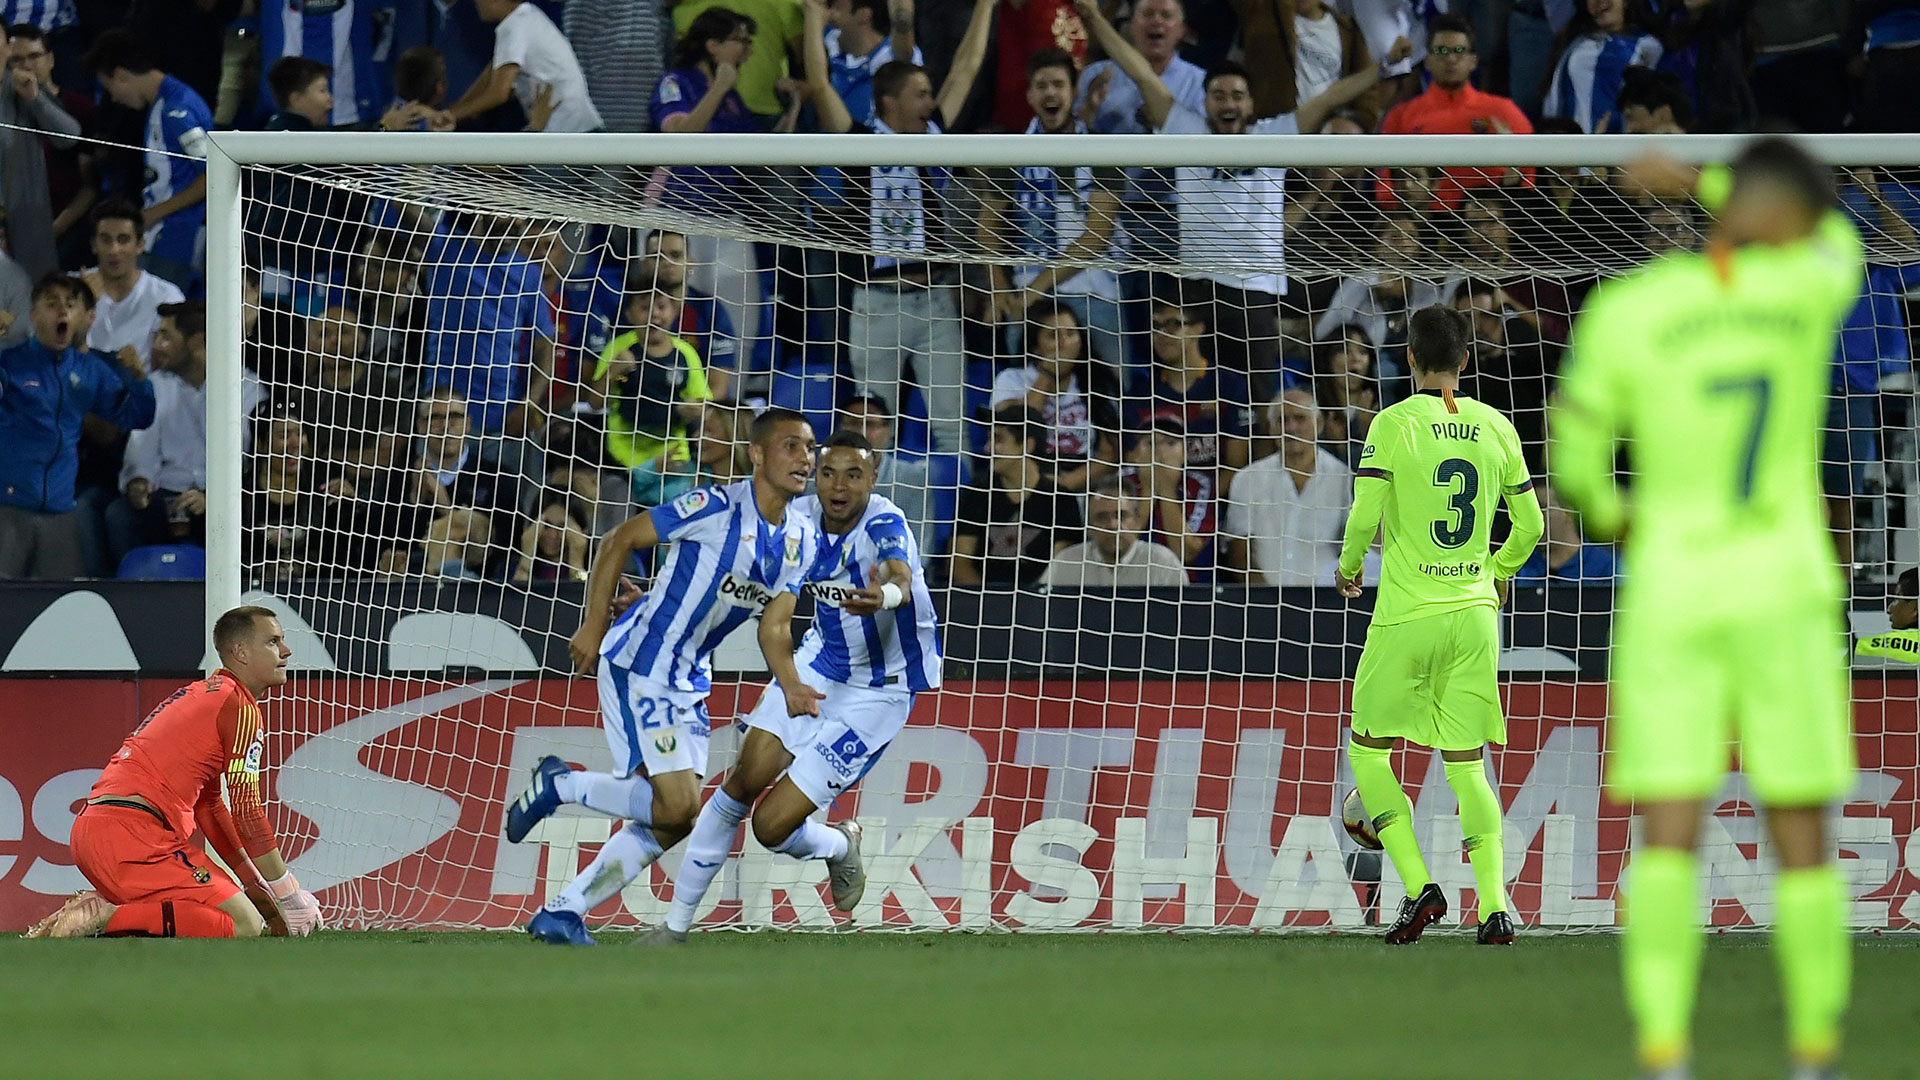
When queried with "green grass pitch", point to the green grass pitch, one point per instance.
{"points": [[790, 1007]]}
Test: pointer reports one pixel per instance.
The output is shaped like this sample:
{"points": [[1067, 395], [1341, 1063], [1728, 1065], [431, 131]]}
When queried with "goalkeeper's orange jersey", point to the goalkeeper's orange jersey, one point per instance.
{"points": [[175, 758]]}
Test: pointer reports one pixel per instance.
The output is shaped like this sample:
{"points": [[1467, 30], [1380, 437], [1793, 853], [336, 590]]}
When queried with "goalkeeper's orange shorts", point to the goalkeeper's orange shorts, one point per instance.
{"points": [[131, 856]]}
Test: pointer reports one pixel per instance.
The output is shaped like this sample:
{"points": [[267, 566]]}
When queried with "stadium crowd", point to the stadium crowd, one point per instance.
{"points": [[470, 395]]}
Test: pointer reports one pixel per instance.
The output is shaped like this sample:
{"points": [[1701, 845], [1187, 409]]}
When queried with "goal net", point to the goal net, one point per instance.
{"points": [[1119, 386]]}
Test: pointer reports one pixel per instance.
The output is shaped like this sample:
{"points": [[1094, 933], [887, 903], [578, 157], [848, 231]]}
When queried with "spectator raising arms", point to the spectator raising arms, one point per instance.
{"points": [[47, 384], [1233, 217], [864, 36], [23, 164], [1012, 521], [905, 306], [1605, 38], [1061, 219]]}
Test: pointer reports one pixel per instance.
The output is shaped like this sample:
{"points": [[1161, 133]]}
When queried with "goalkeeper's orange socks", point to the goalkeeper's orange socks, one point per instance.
{"points": [[169, 918], [1815, 955], [1660, 952], [1392, 812], [1480, 825]]}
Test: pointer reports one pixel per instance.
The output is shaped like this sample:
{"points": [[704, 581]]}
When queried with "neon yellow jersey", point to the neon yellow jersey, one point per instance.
{"points": [[1714, 372], [1431, 480]]}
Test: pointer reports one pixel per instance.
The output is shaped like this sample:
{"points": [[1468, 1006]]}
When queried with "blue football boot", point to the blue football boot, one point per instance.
{"points": [[559, 928], [539, 801]]}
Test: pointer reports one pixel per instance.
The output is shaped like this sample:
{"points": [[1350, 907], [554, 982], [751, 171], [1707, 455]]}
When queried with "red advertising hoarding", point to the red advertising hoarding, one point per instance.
{"points": [[1026, 805]]}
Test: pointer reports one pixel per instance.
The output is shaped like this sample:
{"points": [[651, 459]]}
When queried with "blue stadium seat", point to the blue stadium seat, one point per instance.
{"points": [[808, 388], [164, 562]]}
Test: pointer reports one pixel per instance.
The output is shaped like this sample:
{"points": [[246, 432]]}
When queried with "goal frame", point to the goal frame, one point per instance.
{"points": [[229, 152]]}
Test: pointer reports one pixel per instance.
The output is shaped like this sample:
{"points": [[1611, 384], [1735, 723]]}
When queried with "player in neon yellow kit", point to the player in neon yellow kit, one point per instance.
{"points": [[1434, 469], [1713, 369]]}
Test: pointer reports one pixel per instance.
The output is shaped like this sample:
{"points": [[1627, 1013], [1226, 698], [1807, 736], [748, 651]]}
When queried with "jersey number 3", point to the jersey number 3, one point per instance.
{"points": [[1459, 477]]}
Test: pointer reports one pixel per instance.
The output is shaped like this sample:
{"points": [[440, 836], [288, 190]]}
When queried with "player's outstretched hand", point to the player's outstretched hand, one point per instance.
{"points": [[269, 910], [802, 700], [584, 647], [626, 594], [863, 601], [1349, 586]]}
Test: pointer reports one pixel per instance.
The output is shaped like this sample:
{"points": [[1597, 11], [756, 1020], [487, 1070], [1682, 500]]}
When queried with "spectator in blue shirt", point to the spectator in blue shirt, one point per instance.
{"points": [[489, 328], [862, 38], [175, 197], [47, 386], [1567, 555], [698, 95]]}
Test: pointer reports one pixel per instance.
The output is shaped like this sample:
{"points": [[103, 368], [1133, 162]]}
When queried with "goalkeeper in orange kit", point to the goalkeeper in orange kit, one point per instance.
{"points": [[133, 841]]}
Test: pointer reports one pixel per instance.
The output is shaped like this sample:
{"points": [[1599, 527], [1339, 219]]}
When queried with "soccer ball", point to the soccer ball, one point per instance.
{"points": [[1353, 814]]}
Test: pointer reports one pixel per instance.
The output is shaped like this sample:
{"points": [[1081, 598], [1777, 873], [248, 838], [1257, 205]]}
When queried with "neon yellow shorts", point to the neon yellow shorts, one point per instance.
{"points": [[1432, 681], [1688, 692]]}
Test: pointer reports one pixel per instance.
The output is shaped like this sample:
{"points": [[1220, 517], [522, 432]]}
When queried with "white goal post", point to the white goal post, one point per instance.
{"points": [[1099, 759]]}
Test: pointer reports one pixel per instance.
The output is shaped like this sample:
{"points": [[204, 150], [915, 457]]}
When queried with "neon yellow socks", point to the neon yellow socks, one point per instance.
{"points": [[1660, 951], [1392, 813], [1811, 945], [1480, 824]]}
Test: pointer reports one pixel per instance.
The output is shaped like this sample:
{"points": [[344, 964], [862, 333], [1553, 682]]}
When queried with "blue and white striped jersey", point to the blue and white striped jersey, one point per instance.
{"points": [[726, 562], [48, 15], [343, 34], [892, 648]]}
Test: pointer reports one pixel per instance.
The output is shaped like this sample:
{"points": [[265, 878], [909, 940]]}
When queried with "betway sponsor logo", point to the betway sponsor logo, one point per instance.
{"points": [[829, 592], [744, 592]]}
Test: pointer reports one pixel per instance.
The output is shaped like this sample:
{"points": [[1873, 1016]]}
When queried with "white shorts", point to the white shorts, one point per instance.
{"points": [[648, 727], [832, 751]]}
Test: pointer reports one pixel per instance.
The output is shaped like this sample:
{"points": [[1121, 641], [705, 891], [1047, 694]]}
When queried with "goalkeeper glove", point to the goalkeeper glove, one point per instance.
{"points": [[302, 911]]}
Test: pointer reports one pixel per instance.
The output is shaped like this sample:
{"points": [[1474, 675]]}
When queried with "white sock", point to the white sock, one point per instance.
{"points": [[813, 840], [622, 858], [707, 849], [630, 799]]}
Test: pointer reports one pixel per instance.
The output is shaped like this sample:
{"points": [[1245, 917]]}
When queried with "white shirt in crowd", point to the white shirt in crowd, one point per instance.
{"points": [[1068, 415], [1233, 217], [171, 453], [528, 38], [1317, 55], [1145, 565], [1293, 534], [119, 323], [1355, 302]]}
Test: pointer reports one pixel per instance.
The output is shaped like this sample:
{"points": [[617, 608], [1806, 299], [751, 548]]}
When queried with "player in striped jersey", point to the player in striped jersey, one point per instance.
{"points": [[835, 704], [735, 549]]}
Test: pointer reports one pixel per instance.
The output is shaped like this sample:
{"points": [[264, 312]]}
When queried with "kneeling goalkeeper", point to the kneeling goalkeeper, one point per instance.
{"points": [[133, 841]]}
